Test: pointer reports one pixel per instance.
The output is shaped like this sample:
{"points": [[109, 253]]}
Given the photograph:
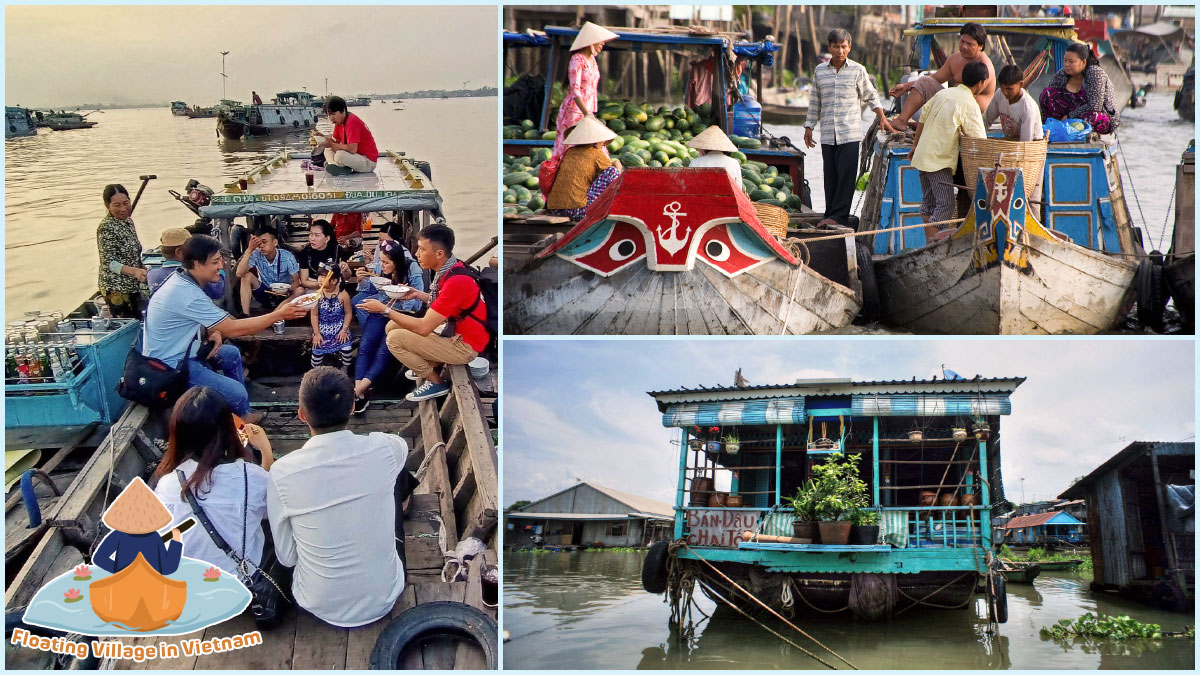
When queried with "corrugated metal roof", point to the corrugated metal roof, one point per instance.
{"points": [[1021, 522], [634, 502], [1127, 454], [860, 383], [575, 516], [837, 387]]}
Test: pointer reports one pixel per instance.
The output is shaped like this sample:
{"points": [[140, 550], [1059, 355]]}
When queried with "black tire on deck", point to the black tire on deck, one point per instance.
{"points": [[654, 569], [434, 619], [871, 308]]}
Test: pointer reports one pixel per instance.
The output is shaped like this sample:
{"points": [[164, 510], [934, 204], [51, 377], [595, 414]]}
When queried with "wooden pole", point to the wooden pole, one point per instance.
{"points": [[812, 35]]}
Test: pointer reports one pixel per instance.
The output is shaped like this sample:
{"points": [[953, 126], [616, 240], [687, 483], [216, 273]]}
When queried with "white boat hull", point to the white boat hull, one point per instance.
{"points": [[1065, 289]]}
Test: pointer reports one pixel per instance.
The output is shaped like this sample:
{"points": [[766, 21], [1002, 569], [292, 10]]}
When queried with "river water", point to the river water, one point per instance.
{"points": [[588, 611], [53, 182]]}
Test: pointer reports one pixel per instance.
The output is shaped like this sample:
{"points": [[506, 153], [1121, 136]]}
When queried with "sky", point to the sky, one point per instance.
{"points": [[578, 409], [58, 56]]}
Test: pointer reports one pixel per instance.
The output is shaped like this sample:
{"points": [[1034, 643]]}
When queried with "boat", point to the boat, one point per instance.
{"points": [[359, 102], [679, 251], [18, 122], [290, 111], [931, 491], [196, 112], [785, 105], [1059, 565], [451, 443], [1185, 96], [65, 121], [1019, 572], [138, 597], [179, 108], [1179, 269]]}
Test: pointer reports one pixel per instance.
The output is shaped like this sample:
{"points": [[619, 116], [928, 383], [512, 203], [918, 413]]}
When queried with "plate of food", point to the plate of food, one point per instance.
{"points": [[281, 288], [306, 301], [380, 282], [395, 291]]}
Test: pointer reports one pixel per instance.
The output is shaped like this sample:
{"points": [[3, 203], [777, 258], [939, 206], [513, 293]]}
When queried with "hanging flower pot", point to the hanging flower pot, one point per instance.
{"points": [[982, 431], [916, 435], [696, 444], [732, 445], [959, 434], [712, 446]]}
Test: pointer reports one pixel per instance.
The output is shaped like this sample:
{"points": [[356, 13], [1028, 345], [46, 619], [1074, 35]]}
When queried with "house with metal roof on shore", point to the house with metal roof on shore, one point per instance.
{"points": [[587, 514], [1041, 529]]}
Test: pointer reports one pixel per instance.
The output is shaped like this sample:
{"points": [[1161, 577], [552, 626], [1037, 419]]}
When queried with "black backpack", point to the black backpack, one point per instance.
{"points": [[489, 292]]}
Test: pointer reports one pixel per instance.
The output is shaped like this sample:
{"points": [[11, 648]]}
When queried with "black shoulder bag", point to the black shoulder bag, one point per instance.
{"points": [[268, 599], [151, 382]]}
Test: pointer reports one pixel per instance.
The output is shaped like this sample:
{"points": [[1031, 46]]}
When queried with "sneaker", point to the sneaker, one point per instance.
{"points": [[361, 404], [337, 170], [427, 391], [410, 375]]}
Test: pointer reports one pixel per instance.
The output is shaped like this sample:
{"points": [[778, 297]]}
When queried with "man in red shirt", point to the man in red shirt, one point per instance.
{"points": [[351, 149], [454, 299]]}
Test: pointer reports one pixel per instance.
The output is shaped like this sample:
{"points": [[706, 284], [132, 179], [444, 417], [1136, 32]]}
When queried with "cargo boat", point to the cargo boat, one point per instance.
{"points": [[291, 111]]}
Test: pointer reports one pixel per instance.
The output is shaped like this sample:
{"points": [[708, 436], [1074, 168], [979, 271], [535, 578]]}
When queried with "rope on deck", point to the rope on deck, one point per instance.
{"points": [[764, 606]]}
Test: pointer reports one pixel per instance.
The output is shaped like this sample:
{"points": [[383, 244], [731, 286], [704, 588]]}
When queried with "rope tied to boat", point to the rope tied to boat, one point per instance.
{"points": [[750, 595], [770, 630]]}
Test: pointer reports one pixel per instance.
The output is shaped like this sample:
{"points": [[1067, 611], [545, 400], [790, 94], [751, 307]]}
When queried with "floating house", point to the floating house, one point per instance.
{"points": [[1056, 528], [928, 453], [586, 514], [1142, 523]]}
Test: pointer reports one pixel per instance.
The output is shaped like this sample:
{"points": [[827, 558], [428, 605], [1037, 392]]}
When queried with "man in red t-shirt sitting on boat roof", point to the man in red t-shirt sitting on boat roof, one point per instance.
{"points": [[351, 149], [455, 300]]}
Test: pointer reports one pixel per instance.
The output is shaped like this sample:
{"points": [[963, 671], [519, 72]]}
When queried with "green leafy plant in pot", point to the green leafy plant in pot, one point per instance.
{"points": [[865, 528], [839, 493], [803, 505]]}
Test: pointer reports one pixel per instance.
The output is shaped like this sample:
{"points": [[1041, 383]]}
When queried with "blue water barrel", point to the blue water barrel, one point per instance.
{"points": [[747, 117]]}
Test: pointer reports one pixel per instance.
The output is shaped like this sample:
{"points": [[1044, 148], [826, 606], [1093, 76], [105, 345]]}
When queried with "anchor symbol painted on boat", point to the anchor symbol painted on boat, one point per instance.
{"points": [[668, 240]]}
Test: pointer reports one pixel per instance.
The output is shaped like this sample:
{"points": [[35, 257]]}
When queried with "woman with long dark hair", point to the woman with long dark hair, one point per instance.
{"points": [[1081, 90], [219, 470], [373, 355]]}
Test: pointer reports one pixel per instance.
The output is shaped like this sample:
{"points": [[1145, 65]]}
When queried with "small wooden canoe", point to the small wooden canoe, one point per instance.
{"points": [[1020, 572], [138, 597], [1059, 565]]}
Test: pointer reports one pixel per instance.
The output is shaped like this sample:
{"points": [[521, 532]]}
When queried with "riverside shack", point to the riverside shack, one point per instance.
{"points": [[587, 514]]}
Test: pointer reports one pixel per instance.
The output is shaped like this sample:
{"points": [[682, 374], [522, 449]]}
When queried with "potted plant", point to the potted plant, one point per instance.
{"points": [[732, 444], [865, 530], [696, 444], [804, 512], [839, 492], [982, 430]]}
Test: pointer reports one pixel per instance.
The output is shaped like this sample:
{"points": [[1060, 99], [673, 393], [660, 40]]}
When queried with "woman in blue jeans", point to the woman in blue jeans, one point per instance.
{"points": [[391, 257], [373, 354]]}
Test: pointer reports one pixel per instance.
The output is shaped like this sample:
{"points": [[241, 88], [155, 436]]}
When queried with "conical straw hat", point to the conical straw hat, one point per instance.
{"points": [[712, 138], [137, 510], [590, 34], [589, 130]]}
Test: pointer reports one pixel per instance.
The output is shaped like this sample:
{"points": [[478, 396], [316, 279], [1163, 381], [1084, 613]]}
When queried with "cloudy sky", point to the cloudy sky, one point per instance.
{"points": [[58, 56], [578, 409]]}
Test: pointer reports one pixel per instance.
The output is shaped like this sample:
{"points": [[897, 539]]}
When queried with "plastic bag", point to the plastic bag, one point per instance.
{"points": [[1066, 131]]}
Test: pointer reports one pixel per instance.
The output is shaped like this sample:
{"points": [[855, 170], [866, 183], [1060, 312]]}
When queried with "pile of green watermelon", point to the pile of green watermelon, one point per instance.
{"points": [[646, 137]]}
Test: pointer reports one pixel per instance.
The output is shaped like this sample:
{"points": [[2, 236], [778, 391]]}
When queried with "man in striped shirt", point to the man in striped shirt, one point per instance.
{"points": [[840, 88]]}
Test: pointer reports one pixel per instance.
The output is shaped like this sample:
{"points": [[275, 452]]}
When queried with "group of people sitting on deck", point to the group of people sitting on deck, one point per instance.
{"points": [[333, 507], [967, 107]]}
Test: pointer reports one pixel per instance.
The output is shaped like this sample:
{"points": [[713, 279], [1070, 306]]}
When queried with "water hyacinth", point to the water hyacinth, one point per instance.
{"points": [[73, 595], [212, 574], [83, 572]]}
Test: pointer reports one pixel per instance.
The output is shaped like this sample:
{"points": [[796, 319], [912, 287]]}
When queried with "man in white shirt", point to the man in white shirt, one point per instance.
{"points": [[713, 144], [1018, 113], [332, 509]]}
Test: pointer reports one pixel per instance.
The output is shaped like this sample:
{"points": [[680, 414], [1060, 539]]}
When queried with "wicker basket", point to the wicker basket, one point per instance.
{"points": [[981, 153], [773, 218]]}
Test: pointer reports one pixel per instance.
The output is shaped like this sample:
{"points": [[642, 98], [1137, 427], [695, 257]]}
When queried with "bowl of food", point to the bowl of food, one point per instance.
{"points": [[395, 291], [380, 282], [281, 288], [306, 301]]}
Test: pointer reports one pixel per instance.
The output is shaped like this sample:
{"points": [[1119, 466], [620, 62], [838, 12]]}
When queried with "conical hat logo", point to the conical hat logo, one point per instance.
{"points": [[137, 510]]}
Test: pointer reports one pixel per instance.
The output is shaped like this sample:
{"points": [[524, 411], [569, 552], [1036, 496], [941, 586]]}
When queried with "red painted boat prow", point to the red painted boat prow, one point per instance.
{"points": [[630, 267], [670, 218]]}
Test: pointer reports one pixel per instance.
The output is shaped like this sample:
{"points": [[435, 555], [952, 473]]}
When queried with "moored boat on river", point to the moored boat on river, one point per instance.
{"points": [[451, 446], [65, 121], [1179, 269], [18, 122], [928, 478], [179, 108]]}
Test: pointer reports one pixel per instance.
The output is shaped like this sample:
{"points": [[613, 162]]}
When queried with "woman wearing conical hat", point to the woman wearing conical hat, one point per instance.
{"points": [[585, 171], [583, 81], [135, 517], [713, 144]]}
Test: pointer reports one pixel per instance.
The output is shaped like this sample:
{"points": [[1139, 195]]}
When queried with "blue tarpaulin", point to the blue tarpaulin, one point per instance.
{"points": [[525, 39], [730, 413], [759, 50], [929, 405]]}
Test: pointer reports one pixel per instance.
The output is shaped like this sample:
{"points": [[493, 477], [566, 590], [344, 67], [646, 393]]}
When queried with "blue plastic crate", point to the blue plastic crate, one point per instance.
{"points": [[88, 396]]}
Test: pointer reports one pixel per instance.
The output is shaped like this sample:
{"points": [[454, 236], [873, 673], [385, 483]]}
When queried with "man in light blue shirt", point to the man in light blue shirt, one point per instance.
{"points": [[180, 309], [264, 263]]}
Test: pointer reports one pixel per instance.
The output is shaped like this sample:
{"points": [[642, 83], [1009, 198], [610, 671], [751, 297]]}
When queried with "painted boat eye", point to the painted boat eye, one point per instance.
{"points": [[1018, 203], [622, 250], [981, 204], [717, 250]]}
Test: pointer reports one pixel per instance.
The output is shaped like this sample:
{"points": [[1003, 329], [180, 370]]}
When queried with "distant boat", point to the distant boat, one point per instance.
{"points": [[196, 112], [179, 108], [782, 105], [289, 111], [65, 121], [358, 102], [18, 122]]}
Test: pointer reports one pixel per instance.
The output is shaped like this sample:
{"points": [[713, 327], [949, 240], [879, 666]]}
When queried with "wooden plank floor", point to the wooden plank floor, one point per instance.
{"points": [[304, 642]]}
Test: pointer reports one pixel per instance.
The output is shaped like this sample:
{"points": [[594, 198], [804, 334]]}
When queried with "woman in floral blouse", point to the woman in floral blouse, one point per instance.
{"points": [[122, 275], [583, 81], [1081, 90]]}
